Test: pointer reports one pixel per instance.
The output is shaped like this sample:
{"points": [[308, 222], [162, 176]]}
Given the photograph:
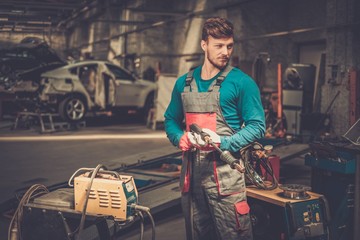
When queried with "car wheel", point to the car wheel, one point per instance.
{"points": [[72, 109]]}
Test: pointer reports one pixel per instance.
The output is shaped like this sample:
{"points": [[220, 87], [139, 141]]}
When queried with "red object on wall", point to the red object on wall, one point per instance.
{"points": [[279, 92], [275, 163]]}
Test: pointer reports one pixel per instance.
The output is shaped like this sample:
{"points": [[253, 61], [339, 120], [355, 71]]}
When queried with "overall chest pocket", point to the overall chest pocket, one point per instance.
{"points": [[200, 102]]}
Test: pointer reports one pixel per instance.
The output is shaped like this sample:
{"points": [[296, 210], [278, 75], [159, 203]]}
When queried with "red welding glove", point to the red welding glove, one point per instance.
{"points": [[190, 140], [184, 143]]}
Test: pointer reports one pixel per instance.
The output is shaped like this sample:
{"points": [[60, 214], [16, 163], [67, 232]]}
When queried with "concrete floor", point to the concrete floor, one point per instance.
{"points": [[28, 157]]}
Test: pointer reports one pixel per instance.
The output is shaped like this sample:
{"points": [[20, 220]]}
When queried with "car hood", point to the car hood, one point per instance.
{"points": [[43, 52]]}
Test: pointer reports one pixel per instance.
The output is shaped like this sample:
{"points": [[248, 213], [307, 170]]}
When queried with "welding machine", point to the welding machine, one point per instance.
{"points": [[110, 193], [100, 199], [288, 212]]}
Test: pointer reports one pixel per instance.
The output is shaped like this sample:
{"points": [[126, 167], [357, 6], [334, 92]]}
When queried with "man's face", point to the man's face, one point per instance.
{"points": [[218, 51]]}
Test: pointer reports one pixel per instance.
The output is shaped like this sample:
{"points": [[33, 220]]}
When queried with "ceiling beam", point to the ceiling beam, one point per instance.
{"points": [[40, 5], [158, 12], [124, 22], [24, 18]]}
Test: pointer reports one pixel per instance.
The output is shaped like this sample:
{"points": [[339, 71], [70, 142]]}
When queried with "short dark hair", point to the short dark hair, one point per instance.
{"points": [[217, 27]]}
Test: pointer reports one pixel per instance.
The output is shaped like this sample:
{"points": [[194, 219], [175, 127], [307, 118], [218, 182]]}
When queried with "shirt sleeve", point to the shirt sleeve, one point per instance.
{"points": [[174, 115], [250, 108]]}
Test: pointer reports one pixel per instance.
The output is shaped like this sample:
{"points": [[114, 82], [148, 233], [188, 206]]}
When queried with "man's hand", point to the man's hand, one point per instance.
{"points": [[184, 143], [213, 135], [196, 140], [190, 140]]}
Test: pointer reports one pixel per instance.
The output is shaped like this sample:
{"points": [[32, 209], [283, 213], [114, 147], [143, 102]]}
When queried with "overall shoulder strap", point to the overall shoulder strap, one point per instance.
{"points": [[188, 81], [216, 85]]}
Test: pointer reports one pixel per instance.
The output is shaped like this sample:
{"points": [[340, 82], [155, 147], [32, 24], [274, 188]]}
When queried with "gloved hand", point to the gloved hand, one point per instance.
{"points": [[184, 143], [196, 140], [213, 135], [190, 140]]}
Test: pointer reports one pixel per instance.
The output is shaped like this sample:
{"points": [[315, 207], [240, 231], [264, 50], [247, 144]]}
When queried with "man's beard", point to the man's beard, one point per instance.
{"points": [[217, 65]]}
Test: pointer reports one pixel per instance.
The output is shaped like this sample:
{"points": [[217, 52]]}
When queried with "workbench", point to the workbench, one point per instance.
{"points": [[289, 151]]}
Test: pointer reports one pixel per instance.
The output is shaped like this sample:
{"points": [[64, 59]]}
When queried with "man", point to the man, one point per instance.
{"points": [[226, 104]]}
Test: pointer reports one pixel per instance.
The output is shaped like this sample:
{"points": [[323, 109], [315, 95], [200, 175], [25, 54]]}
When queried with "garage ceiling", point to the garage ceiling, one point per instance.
{"points": [[37, 15], [34, 15], [31, 16]]}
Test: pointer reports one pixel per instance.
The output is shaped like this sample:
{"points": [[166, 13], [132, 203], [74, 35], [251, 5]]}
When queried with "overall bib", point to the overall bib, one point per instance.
{"points": [[213, 194]]}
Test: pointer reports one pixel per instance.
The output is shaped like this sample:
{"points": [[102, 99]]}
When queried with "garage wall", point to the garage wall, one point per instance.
{"points": [[122, 43], [341, 52]]}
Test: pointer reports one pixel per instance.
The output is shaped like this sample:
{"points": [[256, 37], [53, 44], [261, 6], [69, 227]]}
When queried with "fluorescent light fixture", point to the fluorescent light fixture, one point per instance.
{"points": [[39, 22], [158, 23], [17, 11]]}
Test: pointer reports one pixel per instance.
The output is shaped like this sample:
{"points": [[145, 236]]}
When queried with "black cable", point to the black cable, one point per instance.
{"points": [[14, 231], [252, 175], [269, 171]]}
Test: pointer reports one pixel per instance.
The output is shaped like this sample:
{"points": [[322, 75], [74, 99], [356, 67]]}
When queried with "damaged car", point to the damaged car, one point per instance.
{"points": [[75, 89]]}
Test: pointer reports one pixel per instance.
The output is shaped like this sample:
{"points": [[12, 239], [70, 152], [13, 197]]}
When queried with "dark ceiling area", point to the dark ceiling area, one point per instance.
{"points": [[34, 15], [38, 15]]}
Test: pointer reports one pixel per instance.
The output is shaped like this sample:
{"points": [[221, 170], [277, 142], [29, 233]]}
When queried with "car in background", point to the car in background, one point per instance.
{"points": [[30, 53], [75, 89]]}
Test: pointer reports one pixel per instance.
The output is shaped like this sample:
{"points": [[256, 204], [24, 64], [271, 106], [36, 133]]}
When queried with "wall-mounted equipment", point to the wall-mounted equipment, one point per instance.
{"points": [[298, 91]]}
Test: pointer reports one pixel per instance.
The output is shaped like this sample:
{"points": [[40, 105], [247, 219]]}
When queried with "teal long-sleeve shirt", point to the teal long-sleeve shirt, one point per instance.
{"points": [[240, 104]]}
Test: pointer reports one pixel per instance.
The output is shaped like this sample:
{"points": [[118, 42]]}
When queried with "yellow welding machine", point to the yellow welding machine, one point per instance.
{"points": [[110, 194]]}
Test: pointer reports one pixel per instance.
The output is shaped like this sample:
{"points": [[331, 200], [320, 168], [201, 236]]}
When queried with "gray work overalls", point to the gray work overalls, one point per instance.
{"points": [[213, 194]]}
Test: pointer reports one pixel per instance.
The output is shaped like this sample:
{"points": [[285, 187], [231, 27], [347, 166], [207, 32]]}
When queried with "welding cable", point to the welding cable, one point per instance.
{"points": [[14, 231], [77, 172], [141, 225], [152, 224], [83, 213], [147, 211], [254, 177], [269, 171]]}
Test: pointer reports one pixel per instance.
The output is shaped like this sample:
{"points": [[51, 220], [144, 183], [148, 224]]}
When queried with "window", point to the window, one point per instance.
{"points": [[120, 73]]}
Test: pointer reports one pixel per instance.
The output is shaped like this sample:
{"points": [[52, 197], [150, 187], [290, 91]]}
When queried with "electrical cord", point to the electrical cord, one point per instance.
{"points": [[152, 224], [141, 225], [83, 213], [250, 172], [147, 211], [14, 231]]}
